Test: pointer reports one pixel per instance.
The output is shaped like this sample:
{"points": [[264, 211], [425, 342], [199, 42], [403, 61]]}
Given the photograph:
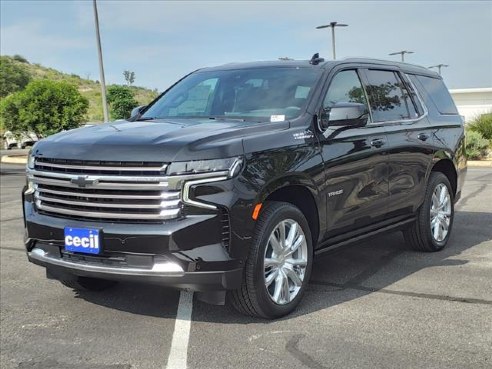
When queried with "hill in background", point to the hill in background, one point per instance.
{"points": [[89, 88]]}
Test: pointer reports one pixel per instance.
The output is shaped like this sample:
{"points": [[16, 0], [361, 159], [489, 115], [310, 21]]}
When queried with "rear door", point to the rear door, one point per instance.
{"points": [[356, 187], [394, 104]]}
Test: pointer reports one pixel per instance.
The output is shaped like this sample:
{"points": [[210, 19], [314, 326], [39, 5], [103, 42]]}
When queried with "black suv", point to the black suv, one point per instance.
{"points": [[236, 176]]}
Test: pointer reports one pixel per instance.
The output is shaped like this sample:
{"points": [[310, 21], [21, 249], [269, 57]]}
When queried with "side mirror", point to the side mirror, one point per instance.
{"points": [[344, 114], [136, 111]]}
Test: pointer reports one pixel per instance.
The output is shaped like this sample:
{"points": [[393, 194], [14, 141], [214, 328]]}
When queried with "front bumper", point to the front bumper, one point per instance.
{"points": [[183, 253], [165, 273]]}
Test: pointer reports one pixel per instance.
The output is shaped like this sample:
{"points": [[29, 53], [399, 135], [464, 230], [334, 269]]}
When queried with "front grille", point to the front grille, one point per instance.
{"points": [[104, 191]]}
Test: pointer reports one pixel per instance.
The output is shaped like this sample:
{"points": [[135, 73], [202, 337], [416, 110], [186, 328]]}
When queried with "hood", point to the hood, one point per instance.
{"points": [[158, 140]]}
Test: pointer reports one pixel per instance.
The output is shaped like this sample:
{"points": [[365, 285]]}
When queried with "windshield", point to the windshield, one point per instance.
{"points": [[272, 94]]}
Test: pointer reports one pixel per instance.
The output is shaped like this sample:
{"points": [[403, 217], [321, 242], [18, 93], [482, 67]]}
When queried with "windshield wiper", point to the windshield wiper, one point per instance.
{"points": [[145, 119], [227, 118]]}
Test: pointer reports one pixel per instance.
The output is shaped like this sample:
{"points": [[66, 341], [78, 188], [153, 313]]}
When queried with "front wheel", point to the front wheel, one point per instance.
{"points": [[432, 228], [279, 263]]}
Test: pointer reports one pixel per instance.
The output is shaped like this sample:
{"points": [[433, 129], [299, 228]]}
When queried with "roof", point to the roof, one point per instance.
{"points": [[324, 65]]}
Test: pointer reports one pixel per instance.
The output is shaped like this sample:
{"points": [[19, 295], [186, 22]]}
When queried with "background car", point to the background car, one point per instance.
{"points": [[19, 140]]}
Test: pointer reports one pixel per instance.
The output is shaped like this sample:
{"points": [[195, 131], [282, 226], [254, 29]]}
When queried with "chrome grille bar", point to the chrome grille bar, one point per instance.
{"points": [[163, 214], [103, 168], [109, 186], [100, 178], [163, 204], [162, 196]]}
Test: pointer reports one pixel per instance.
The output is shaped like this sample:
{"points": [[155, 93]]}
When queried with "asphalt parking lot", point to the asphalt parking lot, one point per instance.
{"points": [[375, 304]]}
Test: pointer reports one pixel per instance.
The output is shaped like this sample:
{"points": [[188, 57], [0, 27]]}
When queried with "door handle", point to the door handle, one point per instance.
{"points": [[377, 142], [423, 136]]}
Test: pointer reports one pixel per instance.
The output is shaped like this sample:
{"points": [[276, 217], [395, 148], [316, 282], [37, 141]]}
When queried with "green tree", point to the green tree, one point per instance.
{"points": [[129, 77], [121, 101], [44, 107], [13, 77]]}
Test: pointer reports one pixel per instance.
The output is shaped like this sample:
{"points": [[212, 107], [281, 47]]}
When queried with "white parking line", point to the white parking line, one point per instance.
{"points": [[179, 347]]}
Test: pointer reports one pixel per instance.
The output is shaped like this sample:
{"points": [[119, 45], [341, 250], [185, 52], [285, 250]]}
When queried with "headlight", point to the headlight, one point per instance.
{"points": [[230, 165], [219, 170], [29, 165], [30, 160]]}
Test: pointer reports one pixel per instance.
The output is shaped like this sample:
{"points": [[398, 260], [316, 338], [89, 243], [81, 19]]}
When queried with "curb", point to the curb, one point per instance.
{"points": [[14, 159], [480, 163]]}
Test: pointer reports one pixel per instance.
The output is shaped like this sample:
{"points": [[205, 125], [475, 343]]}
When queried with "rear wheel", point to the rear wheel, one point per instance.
{"points": [[432, 229], [87, 283], [279, 264]]}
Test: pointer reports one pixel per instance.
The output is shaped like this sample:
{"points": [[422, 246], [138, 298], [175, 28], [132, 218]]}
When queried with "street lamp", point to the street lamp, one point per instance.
{"points": [[439, 66], [402, 53], [101, 67], [332, 25]]}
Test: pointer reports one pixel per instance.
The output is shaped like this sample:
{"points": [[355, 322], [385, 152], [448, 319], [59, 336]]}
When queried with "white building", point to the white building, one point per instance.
{"points": [[471, 102]]}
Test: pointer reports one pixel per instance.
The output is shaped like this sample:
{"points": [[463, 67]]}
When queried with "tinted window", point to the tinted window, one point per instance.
{"points": [[345, 87], [269, 93], [439, 94], [388, 97]]}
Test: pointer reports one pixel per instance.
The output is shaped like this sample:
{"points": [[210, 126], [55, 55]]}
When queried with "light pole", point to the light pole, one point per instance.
{"points": [[402, 53], [332, 25], [101, 67], [439, 66]]}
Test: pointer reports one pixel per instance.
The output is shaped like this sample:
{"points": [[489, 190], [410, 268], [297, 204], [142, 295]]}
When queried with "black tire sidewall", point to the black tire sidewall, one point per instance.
{"points": [[277, 213]]}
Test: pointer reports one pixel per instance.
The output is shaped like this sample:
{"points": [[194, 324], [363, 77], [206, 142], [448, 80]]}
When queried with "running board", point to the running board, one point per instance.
{"points": [[330, 246]]}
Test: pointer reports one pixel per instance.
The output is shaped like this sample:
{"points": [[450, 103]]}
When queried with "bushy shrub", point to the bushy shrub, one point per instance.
{"points": [[44, 107], [476, 145], [483, 125], [20, 58]]}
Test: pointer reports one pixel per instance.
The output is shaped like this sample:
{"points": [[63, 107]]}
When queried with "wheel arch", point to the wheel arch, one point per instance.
{"points": [[447, 167], [299, 194]]}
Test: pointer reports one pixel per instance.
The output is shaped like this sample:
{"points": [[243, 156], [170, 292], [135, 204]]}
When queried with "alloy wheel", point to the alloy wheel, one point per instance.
{"points": [[285, 261], [440, 212]]}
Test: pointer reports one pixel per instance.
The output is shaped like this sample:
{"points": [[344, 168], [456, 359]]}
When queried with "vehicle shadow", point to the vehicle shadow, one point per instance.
{"points": [[344, 274]]}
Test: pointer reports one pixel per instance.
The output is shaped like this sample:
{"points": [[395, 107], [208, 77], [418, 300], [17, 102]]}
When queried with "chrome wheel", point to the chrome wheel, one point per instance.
{"points": [[285, 261], [440, 212]]}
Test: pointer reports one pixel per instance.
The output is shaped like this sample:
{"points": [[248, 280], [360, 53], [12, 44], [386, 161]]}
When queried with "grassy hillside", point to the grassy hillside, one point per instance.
{"points": [[89, 88]]}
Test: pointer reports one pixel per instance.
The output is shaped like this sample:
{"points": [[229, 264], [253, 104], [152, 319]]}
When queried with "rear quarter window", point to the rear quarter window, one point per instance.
{"points": [[438, 93]]}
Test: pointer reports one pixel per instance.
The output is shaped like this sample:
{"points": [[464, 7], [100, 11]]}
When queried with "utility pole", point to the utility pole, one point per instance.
{"points": [[439, 66], [101, 67], [332, 25], [402, 53]]}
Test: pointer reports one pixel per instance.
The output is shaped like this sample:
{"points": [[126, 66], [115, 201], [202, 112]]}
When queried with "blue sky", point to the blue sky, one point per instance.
{"points": [[162, 40]]}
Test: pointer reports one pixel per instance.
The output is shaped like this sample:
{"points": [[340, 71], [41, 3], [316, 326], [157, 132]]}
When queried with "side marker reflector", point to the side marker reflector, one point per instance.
{"points": [[256, 211]]}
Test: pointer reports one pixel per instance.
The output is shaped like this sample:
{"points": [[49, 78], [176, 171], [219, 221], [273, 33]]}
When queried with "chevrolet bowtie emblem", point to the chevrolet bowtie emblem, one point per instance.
{"points": [[83, 181]]}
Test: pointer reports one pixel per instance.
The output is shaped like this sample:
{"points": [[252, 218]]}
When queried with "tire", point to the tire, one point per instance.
{"points": [[421, 235], [87, 283], [255, 298]]}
